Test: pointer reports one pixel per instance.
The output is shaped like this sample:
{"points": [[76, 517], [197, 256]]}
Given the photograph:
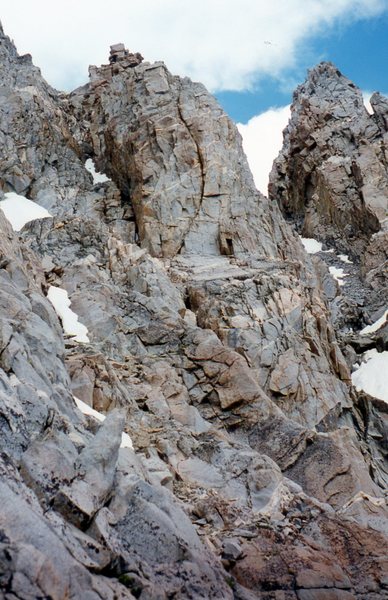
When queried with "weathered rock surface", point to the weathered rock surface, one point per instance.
{"points": [[256, 471], [177, 160], [331, 176], [331, 181]]}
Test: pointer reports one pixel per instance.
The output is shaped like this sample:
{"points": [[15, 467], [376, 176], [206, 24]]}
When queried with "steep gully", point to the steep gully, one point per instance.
{"points": [[258, 471]]}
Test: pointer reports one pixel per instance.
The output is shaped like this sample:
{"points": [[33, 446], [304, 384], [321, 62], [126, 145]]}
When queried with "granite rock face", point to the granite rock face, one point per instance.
{"points": [[177, 160], [256, 470], [331, 176]]}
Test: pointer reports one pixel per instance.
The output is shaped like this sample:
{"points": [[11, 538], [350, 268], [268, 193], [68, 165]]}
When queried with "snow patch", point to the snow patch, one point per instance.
{"points": [[126, 441], [366, 96], [61, 302], [88, 410], [311, 246], [376, 325], [345, 259], [97, 177], [19, 210], [372, 375], [338, 274]]}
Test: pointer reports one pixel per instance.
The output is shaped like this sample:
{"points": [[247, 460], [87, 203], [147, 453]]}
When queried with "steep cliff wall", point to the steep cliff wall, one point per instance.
{"points": [[331, 175], [254, 471]]}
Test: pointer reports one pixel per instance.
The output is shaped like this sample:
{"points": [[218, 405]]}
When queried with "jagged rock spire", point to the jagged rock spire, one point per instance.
{"points": [[221, 351], [331, 173]]}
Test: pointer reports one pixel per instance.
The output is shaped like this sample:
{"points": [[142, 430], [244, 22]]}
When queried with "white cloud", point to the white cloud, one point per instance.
{"points": [[224, 43], [262, 142]]}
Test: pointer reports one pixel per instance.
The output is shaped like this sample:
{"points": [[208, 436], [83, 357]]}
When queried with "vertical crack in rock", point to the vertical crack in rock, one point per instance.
{"points": [[224, 345], [203, 172]]}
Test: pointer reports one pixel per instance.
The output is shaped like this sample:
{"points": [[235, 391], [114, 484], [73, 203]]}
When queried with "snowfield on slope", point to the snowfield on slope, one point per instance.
{"points": [[97, 177], [376, 325], [311, 246], [19, 210], [372, 375], [61, 303], [126, 441], [345, 259], [338, 274]]}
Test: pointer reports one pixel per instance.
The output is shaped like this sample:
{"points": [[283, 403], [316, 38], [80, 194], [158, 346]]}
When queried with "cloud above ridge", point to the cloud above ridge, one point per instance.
{"points": [[223, 43], [263, 139], [262, 142]]}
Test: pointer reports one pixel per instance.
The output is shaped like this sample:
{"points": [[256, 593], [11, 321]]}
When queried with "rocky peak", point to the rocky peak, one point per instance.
{"points": [[331, 176], [379, 104], [190, 193], [119, 59], [328, 101], [206, 425], [18, 70], [7, 47], [118, 53], [326, 82]]}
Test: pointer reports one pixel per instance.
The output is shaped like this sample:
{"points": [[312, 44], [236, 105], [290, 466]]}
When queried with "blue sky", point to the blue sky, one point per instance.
{"points": [[358, 49], [259, 48]]}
